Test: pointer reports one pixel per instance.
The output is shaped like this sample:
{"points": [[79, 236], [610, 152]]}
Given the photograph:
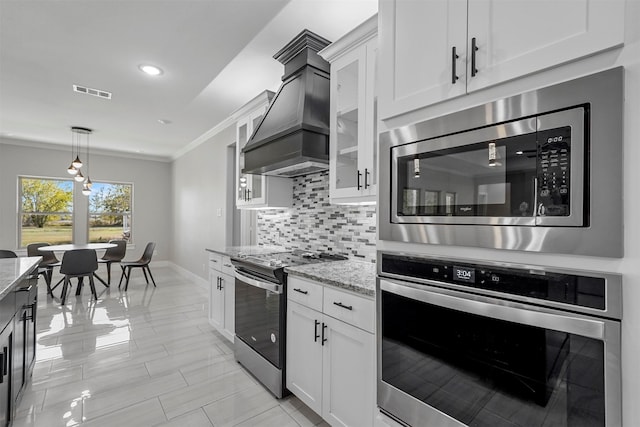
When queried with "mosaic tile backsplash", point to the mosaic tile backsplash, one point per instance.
{"points": [[316, 225]]}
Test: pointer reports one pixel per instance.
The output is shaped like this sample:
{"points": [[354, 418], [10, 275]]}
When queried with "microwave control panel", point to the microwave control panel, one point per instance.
{"points": [[554, 170]]}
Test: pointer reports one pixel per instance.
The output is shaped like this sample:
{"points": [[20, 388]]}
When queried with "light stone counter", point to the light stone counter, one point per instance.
{"points": [[240, 251], [13, 270], [355, 276]]}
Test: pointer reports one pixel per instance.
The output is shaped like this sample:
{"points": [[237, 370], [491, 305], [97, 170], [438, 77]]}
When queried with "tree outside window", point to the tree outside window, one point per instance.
{"points": [[46, 211], [110, 212]]}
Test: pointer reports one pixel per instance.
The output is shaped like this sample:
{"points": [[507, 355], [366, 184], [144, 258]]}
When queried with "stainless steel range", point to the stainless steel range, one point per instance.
{"points": [[261, 313]]}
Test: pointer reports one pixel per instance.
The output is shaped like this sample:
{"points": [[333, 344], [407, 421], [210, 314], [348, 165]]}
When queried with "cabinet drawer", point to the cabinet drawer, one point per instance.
{"points": [[215, 261], [350, 308], [226, 266], [305, 292]]}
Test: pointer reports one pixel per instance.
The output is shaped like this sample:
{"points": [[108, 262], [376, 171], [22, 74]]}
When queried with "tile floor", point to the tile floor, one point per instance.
{"points": [[147, 357]]}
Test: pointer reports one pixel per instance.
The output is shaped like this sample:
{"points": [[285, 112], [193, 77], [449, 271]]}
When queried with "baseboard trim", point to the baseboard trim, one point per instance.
{"points": [[187, 274]]}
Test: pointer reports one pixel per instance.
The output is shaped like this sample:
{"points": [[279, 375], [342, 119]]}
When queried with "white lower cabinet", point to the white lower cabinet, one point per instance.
{"points": [[331, 363], [222, 295], [304, 356]]}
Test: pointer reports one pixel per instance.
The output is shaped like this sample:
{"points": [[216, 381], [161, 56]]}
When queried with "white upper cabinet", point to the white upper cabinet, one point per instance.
{"points": [[257, 191], [353, 133], [417, 44], [438, 49]]}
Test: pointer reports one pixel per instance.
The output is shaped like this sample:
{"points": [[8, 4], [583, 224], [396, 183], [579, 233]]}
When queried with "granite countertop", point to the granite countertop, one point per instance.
{"points": [[356, 276], [237, 251], [13, 270]]}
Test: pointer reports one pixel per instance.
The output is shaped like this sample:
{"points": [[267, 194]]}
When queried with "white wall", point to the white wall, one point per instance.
{"points": [[199, 191], [151, 185], [629, 265]]}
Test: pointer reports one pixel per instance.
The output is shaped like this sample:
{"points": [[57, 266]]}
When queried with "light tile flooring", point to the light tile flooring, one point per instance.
{"points": [[146, 357]]}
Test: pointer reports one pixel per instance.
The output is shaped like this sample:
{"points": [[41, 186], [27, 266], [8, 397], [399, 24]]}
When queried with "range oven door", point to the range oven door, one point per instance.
{"points": [[450, 358], [259, 316]]}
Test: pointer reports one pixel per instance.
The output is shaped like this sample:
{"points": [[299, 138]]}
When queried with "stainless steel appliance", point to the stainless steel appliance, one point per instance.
{"points": [[540, 171], [464, 343], [260, 313]]}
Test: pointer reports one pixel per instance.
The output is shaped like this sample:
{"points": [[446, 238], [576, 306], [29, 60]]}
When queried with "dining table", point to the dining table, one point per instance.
{"points": [[75, 246]]}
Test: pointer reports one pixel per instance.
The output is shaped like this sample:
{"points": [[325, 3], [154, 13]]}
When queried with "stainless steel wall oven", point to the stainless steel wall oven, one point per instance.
{"points": [[540, 171], [463, 343]]}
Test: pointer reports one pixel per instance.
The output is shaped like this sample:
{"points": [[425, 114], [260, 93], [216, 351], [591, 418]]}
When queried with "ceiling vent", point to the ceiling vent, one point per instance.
{"points": [[89, 91]]}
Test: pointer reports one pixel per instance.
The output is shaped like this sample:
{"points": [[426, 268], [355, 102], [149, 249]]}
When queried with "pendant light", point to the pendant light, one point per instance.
{"points": [[76, 164], [71, 170], [86, 186]]}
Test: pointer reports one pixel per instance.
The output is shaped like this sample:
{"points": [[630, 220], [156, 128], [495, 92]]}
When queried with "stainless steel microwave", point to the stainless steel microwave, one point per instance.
{"points": [[539, 171]]}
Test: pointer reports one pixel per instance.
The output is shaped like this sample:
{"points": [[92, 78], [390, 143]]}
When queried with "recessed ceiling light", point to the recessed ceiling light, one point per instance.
{"points": [[164, 121], [519, 152], [152, 70]]}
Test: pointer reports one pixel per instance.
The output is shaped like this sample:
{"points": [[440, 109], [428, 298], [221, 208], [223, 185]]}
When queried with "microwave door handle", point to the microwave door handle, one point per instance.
{"points": [[535, 200], [273, 287]]}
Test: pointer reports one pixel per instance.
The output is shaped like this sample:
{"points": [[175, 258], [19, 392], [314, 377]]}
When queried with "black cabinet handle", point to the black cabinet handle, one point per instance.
{"points": [[358, 181], [315, 330], [366, 180], [1, 371], [454, 56], [30, 316], [301, 291], [221, 282], [474, 49], [347, 307], [5, 360], [324, 326], [248, 195]]}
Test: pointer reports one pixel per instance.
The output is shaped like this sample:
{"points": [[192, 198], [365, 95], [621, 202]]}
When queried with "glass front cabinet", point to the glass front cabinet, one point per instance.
{"points": [[353, 133], [257, 191]]}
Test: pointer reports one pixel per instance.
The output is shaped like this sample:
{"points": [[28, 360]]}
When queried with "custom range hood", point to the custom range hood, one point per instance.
{"points": [[293, 137]]}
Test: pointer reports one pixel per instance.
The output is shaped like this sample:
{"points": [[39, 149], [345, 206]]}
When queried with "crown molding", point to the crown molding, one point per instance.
{"points": [[354, 38], [65, 147], [263, 98]]}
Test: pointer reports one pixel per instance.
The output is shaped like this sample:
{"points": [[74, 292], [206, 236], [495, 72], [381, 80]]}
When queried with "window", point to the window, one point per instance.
{"points": [[46, 211], [110, 212]]}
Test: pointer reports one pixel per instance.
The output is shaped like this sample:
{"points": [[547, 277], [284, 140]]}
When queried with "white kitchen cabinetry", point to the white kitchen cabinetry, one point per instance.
{"points": [[222, 295], [257, 191], [353, 132], [434, 50], [331, 352]]}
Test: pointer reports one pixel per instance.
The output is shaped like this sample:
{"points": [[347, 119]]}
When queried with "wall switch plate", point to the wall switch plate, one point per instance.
{"points": [[219, 211]]}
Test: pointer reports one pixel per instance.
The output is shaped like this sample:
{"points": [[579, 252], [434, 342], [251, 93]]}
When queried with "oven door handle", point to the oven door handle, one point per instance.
{"points": [[273, 287], [503, 310]]}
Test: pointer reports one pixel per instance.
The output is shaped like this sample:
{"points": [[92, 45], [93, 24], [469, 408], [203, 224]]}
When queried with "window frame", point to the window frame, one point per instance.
{"points": [[20, 211], [130, 240]]}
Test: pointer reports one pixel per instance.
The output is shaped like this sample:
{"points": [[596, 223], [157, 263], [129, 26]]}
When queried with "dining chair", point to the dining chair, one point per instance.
{"points": [[4, 253], [115, 254], [49, 261], [79, 263], [143, 263]]}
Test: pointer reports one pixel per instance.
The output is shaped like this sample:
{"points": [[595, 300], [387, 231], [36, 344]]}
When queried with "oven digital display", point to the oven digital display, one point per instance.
{"points": [[463, 274]]}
